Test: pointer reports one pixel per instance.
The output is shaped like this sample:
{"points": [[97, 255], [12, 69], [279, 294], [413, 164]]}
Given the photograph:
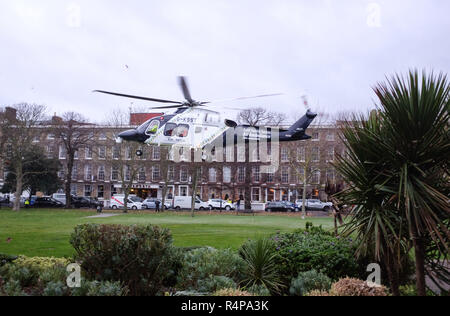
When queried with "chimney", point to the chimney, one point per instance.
{"points": [[10, 114]]}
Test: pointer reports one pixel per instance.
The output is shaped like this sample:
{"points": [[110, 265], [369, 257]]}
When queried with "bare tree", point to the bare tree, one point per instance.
{"points": [[308, 158], [17, 135], [73, 132], [259, 116], [125, 163]]}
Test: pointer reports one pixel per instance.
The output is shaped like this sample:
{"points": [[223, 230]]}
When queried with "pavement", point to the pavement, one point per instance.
{"points": [[106, 215]]}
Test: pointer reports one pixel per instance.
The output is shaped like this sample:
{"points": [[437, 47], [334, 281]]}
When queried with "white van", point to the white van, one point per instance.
{"points": [[134, 203], [185, 203], [60, 197]]}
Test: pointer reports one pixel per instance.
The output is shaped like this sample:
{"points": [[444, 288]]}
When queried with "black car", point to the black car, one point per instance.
{"points": [[280, 207], [83, 202], [47, 202]]}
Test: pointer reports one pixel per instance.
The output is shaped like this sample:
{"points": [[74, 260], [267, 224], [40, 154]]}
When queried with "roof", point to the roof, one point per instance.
{"points": [[141, 118]]}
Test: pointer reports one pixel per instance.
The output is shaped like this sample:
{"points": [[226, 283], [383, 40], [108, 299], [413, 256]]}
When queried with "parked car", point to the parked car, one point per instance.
{"points": [[45, 202], [118, 202], [316, 205], [185, 202], [218, 204], [150, 204], [85, 202], [282, 206]]}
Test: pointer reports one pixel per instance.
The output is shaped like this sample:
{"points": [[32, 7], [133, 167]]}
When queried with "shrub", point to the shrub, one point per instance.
{"points": [[12, 288], [301, 252], [354, 287], [318, 293], [309, 281], [258, 290], [215, 283], [200, 265], [261, 267], [139, 257], [5, 259], [38, 264], [56, 289], [232, 293]]}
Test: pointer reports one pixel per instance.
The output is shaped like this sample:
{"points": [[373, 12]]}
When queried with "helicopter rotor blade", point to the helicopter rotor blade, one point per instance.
{"points": [[185, 88], [138, 97], [247, 98], [167, 107]]}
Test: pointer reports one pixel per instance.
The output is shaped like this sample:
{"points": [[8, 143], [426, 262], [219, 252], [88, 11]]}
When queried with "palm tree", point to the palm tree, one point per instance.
{"points": [[407, 144]]}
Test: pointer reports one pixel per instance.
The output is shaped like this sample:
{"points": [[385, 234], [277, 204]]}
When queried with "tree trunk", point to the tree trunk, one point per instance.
{"points": [[419, 250], [68, 184], [18, 194], [393, 275], [305, 186]]}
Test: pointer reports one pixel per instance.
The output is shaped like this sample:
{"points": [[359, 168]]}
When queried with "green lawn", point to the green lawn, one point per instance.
{"points": [[47, 232]]}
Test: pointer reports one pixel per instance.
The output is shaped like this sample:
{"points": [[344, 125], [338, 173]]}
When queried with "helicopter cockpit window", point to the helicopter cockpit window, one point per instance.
{"points": [[182, 130], [170, 129], [152, 128]]}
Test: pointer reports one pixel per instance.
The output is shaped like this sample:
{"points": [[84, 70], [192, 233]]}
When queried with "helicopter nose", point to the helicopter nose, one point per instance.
{"points": [[131, 135]]}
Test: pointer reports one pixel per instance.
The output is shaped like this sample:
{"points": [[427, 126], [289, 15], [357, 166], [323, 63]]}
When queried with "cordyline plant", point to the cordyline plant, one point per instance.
{"points": [[397, 168]]}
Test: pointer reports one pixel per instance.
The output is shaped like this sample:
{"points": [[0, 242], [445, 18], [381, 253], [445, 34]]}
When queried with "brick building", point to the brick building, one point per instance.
{"points": [[93, 174]]}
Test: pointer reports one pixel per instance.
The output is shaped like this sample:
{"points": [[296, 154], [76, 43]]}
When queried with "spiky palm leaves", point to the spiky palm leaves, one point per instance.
{"points": [[397, 168]]}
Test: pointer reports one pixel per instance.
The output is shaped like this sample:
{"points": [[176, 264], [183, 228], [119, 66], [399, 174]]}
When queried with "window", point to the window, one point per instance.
{"points": [[102, 152], [182, 130], [74, 189], [169, 130], [62, 173], [315, 155], [270, 195], [331, 175], [116, 152], [75, 154], [257, 174], [285, 175], [101, 173], [156, 173], [183, 191], [75, 172], [171, 173], [316, 136], [142, 176], [156, 153], [152, 128], [301, 176], [36, 139], [241, 153], [88, 190], [88, 153], [184, 174], [271, 177], [256, 194], [330, 154], [226, 174], [62, 152], [127, 173], [285, 154], [51, 136], [115, 174], [102, 136], [212, 175], [88, 173], [50, 151], [241, 174], [316, 177], [100, 191], [129, 153], [330, 136], [301, 154]]}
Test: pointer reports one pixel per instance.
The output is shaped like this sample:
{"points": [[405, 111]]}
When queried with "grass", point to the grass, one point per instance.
{"points": [[46, 233]]}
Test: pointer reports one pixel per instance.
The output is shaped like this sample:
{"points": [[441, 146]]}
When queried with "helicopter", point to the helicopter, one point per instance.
{"points": [[194, 126]]}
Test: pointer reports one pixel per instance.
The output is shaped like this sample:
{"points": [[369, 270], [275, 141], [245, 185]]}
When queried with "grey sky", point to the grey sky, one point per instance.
{"points": [[334, 50]]}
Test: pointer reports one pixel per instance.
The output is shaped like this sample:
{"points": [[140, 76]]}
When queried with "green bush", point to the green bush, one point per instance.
{"points": [[215, 283], [259, 290], [139, 257], [309, 281], [57, 288], [5, 259], [261, 268], [12, 288], [301, 252], [200, 265]]}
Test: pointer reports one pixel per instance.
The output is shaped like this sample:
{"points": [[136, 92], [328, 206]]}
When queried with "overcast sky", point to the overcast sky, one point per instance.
{"points": [[55, 52]]}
